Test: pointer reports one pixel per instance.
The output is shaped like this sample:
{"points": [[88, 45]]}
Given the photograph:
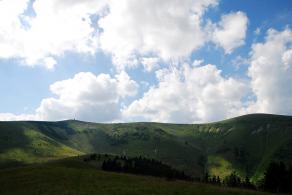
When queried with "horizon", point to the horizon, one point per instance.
{"points": [[154, 122], [179, 62]]}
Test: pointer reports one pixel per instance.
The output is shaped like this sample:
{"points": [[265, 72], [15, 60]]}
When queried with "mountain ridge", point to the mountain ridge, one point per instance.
{"points": [[133, 122]]}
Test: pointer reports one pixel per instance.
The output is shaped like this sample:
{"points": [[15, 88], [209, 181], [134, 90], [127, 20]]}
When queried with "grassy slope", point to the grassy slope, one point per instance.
{"points": [[21, 142], [257, 139], [246, 144], [75, 177]]}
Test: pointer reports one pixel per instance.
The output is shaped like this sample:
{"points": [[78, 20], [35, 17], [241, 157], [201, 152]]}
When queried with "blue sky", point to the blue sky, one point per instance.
{"points": [[168, 61]]}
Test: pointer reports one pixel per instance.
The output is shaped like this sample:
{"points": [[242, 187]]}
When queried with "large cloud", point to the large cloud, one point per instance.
{"points": [[85, 97], [88, 97], [271, 73], [169, 29], [51, 28], [10, 26], [230, 32], [190, 94]]}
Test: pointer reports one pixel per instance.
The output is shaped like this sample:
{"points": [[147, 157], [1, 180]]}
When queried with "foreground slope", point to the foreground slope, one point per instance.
{"points": [[78, 178], [245, 144]]}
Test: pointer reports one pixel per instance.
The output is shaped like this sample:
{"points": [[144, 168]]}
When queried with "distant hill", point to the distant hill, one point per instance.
{"points": [[245, 144]]}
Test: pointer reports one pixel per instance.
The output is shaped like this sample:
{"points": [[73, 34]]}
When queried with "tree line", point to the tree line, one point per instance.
{"points": [[278, 178], [232, 180], [143, 166]]}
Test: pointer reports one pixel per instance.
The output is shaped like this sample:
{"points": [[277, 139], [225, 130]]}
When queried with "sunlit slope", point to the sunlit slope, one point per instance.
{"points": [[245, 144]]}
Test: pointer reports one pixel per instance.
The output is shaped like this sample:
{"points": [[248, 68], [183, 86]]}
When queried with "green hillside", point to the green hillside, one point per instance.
{"points": [[76, 177], [245, 144], [23, 143]]}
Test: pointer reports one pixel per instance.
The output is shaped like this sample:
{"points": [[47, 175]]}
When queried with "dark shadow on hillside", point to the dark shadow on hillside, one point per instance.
{"points": [[11, 164], [56, 130], [12, 136]]}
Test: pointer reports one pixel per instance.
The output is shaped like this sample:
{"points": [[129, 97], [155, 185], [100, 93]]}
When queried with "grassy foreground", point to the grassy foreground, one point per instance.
{"points": [[79, 178]]}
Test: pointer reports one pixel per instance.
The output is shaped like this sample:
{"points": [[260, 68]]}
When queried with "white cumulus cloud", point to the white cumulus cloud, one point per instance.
{"points": [[190, 94], [51, 29], [168, 29], [271, 73], [86, 97], [230, 32], [11, 32]]}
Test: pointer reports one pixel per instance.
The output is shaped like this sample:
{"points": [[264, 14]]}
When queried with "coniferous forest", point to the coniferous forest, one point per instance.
{"points": [[141, 166]]}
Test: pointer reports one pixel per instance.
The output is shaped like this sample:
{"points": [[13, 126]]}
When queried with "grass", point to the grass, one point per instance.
{"points": [[217, 165], [73, 177], [25, 144]]}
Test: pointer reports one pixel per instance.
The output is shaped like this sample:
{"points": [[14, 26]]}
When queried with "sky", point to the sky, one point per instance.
{"points": [[178, 61]]}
